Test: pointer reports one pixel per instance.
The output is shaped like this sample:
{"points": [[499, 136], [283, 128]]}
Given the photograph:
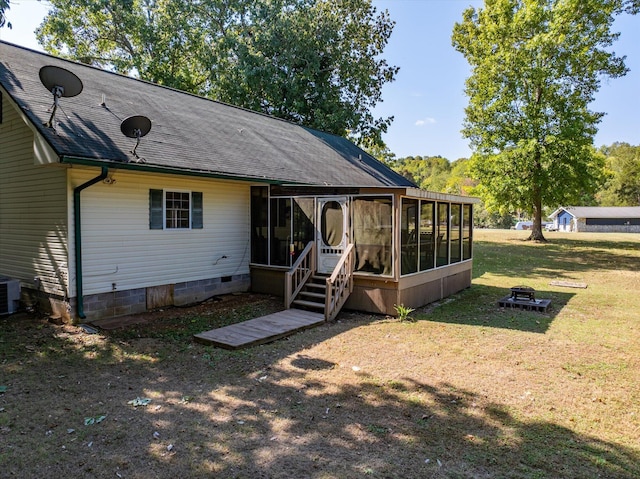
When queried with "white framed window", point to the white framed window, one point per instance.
{"points": [[175, 210]]}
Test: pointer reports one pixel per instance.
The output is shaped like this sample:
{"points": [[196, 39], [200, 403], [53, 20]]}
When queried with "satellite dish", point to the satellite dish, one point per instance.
{"points": [[136, 127], [61, 83]]}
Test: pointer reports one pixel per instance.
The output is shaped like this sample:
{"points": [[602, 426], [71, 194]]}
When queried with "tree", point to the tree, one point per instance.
{"points": [[623, 167], [485, 219], [4, 6], [381, 152], [429, 172], [459, 181], [536, 65], [314, 62], [629, 189]]}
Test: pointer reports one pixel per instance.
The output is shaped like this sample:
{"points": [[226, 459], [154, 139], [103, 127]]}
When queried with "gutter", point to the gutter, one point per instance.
{"points": [[72, 160], [78, 238]]}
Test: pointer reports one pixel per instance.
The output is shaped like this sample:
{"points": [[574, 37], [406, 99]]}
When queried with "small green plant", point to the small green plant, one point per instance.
{"points": [[378, 430], [402, 312]]}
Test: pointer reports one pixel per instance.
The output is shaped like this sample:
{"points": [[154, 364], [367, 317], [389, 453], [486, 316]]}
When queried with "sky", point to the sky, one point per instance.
{"points": [[427, 98]]}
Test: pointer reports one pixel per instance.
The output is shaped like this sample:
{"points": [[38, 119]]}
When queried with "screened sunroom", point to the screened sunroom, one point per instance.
{"points": [[396, 245]]}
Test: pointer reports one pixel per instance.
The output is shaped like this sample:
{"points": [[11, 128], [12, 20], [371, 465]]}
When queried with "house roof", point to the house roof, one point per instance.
{"points": [[599, 211], [189, 134]]}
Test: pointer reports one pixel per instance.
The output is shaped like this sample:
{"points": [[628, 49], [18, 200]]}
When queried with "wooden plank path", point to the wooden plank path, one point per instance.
{"points": [[568, 284], [260, 330]]}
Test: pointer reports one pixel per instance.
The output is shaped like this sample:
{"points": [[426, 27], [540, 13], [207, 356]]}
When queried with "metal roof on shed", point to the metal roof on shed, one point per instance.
{"points": [[600, 211]]}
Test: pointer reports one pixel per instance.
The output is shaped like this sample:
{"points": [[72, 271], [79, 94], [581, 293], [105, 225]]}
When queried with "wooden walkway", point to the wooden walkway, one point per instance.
{"points": [[261, 330]]}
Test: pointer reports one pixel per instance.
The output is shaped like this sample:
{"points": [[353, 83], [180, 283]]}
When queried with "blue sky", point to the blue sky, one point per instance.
{"points": [[427, 99]]}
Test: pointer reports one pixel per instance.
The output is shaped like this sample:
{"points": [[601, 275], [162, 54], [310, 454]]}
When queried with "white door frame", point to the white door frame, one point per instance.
{"points": [[329, 255]]}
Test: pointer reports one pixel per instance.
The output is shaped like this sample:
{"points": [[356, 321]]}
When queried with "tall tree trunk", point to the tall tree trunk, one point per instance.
{"points": [[536, 228]]}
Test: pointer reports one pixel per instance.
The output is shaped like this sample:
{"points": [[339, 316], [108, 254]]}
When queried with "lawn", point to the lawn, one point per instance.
{"points": [[465, 390]]}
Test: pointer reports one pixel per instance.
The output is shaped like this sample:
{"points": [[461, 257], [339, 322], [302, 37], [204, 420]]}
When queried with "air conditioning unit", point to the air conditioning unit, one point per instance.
{"points": [[9, 295]]}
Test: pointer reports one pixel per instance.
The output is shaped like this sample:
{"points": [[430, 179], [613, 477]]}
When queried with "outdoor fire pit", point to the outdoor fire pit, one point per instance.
{"points": [[523, 292], [524, 297]]}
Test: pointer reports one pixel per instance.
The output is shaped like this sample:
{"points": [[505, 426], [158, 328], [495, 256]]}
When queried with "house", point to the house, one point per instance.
{"points": [[597, 219], [99, 218]]}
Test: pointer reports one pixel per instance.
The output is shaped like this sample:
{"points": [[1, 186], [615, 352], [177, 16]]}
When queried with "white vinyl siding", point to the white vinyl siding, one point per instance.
{"points": [[33, 209], [121, 252]]}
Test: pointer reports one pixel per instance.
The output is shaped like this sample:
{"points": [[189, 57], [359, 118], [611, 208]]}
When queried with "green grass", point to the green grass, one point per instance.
{"points": [[465, 390]]}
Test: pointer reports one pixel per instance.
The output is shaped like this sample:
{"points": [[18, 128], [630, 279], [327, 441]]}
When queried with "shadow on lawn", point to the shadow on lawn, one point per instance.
{"points": [[560, 259], [270, 412], [478, 306], [504, 446]]}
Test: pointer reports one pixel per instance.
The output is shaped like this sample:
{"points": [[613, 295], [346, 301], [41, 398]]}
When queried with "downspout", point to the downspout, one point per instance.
{"points": [[78, 238]]}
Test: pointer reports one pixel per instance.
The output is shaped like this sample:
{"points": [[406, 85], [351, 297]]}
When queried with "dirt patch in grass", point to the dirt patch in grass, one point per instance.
{"points": [[467, 390], [183, 322]]}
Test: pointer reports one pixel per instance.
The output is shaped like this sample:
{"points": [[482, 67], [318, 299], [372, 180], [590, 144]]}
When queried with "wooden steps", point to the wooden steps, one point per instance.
{"points": [[308, 290], [309, 304], [309, 294], [261, 330], [313, 294]]}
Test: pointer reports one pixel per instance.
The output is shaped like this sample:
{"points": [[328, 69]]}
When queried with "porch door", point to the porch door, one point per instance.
{"points": [[332, 236]]}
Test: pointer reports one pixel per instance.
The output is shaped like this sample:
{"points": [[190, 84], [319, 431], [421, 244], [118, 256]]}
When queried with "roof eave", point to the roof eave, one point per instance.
{"points": [[150, 168], [435, 195]]}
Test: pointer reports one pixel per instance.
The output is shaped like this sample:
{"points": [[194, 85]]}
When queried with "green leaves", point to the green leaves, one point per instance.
{"points": [[623, 175], [313, 62], [4, 6], [536, 66], [429, 173], [402, 312]]}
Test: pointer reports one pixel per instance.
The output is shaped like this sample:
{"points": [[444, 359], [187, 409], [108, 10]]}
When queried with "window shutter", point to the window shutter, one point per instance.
{"points": [[155, 209], [196, 210]]}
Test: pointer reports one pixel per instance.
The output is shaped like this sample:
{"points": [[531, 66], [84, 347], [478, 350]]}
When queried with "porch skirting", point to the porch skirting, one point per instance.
{"points": [[412, 291], [379, 294]]}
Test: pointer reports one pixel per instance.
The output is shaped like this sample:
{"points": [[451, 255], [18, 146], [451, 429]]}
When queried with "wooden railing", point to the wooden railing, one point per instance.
{"points": [[340, 284], [299, 273]]}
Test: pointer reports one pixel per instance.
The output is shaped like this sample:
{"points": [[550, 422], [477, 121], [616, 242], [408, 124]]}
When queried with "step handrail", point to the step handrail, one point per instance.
{"points": [[299, 273], [340, 284]]}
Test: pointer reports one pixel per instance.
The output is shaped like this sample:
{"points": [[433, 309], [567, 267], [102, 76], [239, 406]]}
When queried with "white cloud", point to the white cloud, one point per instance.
{"points": [[426, 121]]}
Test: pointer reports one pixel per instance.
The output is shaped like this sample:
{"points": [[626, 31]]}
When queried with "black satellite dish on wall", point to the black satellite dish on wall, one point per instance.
{"points": [[136, 127], [61, 83]]}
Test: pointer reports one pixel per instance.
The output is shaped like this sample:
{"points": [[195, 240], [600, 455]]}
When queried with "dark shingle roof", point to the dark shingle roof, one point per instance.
{"points": [[188, 133]]}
